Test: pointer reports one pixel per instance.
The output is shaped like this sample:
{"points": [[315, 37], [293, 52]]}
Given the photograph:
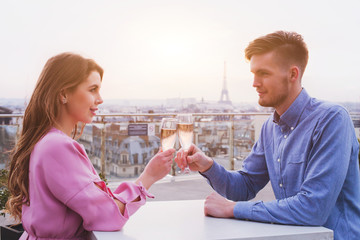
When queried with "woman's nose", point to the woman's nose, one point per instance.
{"points": [[99, 100]]}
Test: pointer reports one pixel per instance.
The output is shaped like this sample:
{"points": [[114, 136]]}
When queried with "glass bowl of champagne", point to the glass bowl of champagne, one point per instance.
{"points": [[185, 130], [168, 133]]}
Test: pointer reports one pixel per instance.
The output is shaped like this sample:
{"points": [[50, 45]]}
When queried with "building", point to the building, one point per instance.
{"points": [[213, 136], [5, 121], [125, 156]]}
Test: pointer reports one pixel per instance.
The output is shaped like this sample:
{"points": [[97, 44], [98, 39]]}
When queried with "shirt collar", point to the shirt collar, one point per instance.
{"points": [[293, 113]]}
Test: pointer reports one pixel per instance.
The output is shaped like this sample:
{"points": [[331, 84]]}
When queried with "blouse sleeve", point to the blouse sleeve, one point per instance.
{"points": [[128, 193], [70, 177], [99, 210]]}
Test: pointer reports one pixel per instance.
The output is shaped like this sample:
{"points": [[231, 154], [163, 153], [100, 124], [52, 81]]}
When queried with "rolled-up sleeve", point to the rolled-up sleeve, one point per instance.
{"points": [[99, 210]]}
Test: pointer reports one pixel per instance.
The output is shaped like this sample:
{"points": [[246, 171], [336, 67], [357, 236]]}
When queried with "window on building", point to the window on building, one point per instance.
{"points": [[124, 158], [135, 157], [136, 171], [144, 155]]}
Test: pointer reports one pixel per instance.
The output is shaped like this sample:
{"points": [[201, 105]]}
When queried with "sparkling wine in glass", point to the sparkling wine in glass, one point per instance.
{"points": [[168, 133], [185, 131]]}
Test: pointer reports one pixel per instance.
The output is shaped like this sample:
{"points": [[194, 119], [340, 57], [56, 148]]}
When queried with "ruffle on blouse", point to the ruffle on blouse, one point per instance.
{"points": [[127, 193]]}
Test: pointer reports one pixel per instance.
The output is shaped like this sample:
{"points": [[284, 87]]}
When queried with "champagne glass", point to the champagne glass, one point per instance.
{"points": [[168, 133], [185, 131]]}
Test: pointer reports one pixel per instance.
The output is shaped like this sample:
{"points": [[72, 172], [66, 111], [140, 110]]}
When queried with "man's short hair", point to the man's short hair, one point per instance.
{"points": [[289, 46]]}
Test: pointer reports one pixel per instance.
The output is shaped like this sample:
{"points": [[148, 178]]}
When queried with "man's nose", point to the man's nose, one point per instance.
{"points": [[256, 82]]}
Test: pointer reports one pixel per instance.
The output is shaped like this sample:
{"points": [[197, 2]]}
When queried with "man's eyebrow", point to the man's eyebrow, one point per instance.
{"points": [[259, 70]]}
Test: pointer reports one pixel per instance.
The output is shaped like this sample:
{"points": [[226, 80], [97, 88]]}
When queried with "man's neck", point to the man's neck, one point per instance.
{"points": [[280, 110]]}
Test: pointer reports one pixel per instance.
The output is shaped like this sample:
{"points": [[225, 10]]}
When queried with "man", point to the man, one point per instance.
{"points": [[307, 149]]}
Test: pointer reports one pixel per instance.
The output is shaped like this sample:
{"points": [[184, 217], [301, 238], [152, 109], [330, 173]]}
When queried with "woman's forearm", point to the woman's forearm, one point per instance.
{"points": [[146, 180]]}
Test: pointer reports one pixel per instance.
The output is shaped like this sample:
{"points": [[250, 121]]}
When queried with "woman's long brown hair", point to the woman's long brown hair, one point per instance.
{"points": [[61, 72]]}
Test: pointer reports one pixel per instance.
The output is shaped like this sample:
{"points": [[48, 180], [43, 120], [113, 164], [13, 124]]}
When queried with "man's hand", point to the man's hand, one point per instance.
{"points": [[218, 206], [193, 157]]}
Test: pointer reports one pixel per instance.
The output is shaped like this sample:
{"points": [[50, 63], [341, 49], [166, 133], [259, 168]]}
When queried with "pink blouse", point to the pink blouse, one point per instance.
{"points": [[65, 203]]}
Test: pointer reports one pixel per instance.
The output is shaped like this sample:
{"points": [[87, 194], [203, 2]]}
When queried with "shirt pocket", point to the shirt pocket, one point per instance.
{"points": [[296, 158], [294, 173]]}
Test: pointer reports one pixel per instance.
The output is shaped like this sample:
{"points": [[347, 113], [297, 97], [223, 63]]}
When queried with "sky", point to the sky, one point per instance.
{"points": [[170, 49]]}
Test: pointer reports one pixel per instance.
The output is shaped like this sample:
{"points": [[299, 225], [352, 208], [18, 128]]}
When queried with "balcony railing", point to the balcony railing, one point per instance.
{"points": [[227, 137]]}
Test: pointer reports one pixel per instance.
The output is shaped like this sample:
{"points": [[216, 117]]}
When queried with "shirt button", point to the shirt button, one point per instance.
{"points": [[278, 160], [281, 185], [285, 136], [292, 128]]}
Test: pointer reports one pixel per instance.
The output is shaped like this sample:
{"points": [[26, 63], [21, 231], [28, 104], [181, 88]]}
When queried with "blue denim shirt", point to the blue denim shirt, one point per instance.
{"points": [[310, 155]]}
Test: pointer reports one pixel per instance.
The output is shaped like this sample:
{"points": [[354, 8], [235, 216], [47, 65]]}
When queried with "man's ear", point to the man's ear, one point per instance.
{"points": [[294, 73]]}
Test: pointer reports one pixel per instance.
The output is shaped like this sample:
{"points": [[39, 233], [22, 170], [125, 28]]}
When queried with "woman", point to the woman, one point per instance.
{"points": [[55, 190]]}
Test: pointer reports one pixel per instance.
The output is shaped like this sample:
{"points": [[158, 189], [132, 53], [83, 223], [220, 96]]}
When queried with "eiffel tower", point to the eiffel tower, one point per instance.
{"points": [[224, 98]]}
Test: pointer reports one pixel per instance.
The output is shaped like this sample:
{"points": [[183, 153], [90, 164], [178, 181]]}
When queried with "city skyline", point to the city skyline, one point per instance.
{"points": [[176, 49]]}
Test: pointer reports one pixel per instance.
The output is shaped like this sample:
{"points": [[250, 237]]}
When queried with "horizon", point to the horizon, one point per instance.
{"points": [[25, 100]]}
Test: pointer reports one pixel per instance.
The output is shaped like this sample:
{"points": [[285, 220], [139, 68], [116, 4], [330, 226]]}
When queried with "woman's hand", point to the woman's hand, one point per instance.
{"points": [[158, 167]]}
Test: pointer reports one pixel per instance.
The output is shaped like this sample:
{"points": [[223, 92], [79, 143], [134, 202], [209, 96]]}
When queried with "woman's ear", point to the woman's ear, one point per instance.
{"points": [[63, 97]]}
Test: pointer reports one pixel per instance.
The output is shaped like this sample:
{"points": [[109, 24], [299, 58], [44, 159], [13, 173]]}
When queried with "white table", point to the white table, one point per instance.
{"points": [[186, 220]]}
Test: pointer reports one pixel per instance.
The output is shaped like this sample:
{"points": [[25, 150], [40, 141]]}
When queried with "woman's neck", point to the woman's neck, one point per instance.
{"points": [[65, 124]]}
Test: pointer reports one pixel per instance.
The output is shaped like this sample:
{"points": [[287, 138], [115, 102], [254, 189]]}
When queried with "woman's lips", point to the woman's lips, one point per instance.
{"points": [[93, 110]]}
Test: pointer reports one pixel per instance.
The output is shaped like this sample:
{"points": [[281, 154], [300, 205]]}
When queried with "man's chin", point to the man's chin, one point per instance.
{"points": [[262, 103]]}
